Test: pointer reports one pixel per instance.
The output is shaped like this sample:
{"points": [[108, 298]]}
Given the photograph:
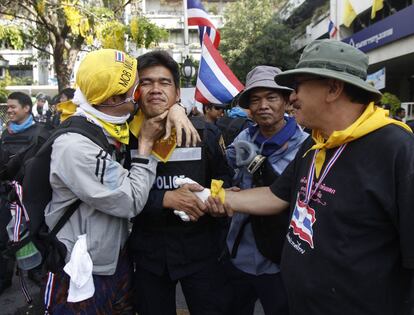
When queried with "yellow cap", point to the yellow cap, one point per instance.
{"points": [[105, 73]]}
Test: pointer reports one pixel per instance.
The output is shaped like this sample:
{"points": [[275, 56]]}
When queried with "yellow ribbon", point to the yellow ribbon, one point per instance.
{"points": [[217, 190], [371, 119]]}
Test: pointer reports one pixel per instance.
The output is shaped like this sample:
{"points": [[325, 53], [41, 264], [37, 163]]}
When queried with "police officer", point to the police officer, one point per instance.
{"points": [[165, 249], [19, 140], [212, 112]]}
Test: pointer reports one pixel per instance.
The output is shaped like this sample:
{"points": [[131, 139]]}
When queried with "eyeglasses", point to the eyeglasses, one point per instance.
{"points": [[136, 94], [295, 85], [218, 108]]}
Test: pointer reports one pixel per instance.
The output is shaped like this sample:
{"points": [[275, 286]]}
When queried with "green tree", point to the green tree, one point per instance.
{"points": [[253, 36], [62, 28], [392, 100]]}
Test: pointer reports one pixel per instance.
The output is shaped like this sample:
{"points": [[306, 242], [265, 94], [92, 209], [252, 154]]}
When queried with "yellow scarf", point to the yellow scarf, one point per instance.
{"points": [[371, 119], [120, 132], [162, 149], [66, 109]]}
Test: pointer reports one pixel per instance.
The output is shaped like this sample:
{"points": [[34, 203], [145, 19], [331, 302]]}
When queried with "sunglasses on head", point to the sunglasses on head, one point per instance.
{"points": [[136, 94]]}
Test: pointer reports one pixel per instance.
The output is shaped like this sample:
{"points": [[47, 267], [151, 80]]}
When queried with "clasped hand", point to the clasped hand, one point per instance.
{"points": [[185, 200]]}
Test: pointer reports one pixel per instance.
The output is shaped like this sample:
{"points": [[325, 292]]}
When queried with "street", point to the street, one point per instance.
{"points": [[12, 301]]}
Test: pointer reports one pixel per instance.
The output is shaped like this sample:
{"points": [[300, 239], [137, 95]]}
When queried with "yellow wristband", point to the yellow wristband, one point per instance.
{"points": [[217, 189]]}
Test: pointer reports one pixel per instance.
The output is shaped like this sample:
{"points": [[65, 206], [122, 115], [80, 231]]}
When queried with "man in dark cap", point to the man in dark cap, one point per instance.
{"points": [[212, 112], [348, 248]]}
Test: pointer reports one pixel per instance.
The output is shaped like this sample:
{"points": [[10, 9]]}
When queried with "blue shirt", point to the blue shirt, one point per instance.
{"points": [[248, 258]]}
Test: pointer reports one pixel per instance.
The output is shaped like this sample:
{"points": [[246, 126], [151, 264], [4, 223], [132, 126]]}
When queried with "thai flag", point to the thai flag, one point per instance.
{"points": [[199, 17], [216, 83], [119, 56], [303, 218], [332, 29]]}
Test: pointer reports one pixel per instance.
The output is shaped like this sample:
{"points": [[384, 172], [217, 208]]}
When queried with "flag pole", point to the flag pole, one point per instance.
{"points": [[337, 22], [186, 48]]}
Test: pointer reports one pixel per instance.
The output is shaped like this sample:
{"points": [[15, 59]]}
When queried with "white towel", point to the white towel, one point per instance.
{"points": [[79, 268], [202, 195]]}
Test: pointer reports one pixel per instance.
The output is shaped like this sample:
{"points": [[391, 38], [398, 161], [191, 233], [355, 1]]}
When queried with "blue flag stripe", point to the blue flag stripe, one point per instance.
{"points": [[211, 81]]}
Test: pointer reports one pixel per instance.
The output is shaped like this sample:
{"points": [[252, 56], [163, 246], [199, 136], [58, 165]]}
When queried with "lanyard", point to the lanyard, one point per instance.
{"points": [[311, 175]]}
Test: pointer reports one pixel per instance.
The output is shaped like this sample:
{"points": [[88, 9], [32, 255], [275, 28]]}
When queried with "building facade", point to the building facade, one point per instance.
{"points": [[169, 14], [388, 38]]}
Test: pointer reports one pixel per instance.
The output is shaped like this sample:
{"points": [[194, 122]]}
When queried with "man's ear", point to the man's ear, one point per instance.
{"points": [[177, 98], [335, 89], [27, 108]]}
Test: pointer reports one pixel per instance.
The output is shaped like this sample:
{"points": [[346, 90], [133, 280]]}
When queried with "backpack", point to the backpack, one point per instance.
{"points": [[231, 127], [38, 193]]}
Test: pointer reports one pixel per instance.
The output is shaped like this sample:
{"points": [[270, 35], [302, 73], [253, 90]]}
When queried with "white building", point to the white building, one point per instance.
{"points": [[169, 15]]}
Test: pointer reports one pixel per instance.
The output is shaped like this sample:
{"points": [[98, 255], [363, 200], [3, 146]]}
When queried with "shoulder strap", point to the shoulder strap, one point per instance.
{"points": [[93, 132], [65, 217], [82, 126]]}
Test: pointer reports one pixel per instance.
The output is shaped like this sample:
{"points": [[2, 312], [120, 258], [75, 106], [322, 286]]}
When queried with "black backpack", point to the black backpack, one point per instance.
{"points": [[37, 193], [231, 127]]}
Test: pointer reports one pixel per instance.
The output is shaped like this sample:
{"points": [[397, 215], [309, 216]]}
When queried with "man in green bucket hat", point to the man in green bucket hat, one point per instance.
{"points": [[349, 246]]}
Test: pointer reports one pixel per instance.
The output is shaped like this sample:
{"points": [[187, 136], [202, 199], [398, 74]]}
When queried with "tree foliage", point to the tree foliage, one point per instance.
{"points": [[392, 100], [253, 36], [62, 28]]}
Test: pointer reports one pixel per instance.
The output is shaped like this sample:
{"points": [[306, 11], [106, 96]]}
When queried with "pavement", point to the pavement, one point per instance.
{"points": [[12, 301]]}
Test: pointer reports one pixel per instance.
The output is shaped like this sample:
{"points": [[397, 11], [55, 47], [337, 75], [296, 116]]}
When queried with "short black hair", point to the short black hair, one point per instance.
{"points": [[22, 98], [160, 58], [399, 110], [206, 107], [358, 95], [69, 92]]}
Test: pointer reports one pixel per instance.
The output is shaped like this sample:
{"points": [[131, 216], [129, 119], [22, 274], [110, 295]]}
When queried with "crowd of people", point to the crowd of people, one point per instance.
{"points": [[298, 196]]}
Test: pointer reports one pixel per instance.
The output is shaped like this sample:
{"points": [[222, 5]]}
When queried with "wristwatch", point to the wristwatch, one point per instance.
{"points": [[140, 160]]}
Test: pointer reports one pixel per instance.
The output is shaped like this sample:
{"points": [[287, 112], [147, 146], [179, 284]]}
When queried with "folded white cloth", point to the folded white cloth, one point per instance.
{"points": [[79, 268], [202, 195]]}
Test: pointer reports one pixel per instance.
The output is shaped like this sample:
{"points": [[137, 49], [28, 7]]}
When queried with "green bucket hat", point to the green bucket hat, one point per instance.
{"points": [[332, 59]]}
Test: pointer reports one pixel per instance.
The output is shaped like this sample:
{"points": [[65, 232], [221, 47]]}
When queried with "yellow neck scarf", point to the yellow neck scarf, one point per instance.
{"points": [[162, 149], [66, 109], [371, 119], [120, 132]]}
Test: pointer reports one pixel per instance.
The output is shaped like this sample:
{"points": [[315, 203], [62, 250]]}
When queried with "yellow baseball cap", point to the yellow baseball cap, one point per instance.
{"points": [[104, 73]]}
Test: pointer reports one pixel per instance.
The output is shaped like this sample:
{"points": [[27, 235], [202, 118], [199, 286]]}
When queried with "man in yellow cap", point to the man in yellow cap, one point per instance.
{"points": [[349, 246], [96, 277]]}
